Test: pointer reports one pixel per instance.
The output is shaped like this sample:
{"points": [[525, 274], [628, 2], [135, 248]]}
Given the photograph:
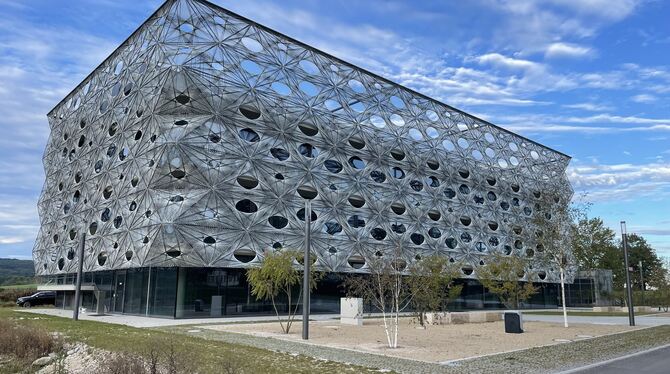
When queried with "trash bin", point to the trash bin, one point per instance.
{"points": [[513, 322]]}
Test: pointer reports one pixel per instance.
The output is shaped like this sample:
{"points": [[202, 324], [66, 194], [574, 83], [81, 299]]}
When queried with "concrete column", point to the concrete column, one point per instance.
{"points": [[181, 293]]}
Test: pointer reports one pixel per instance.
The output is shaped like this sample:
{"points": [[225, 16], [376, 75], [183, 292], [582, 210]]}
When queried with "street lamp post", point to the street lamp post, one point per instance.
{"points": [[641, 281], [307, 263], [629, 291], [80, 267]]}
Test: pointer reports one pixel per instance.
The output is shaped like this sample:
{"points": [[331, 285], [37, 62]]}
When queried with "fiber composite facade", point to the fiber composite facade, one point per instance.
{"points": [[191, 144]]}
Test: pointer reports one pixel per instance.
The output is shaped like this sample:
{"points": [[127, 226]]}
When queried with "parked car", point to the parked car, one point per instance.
{"points": [[39, 298]]}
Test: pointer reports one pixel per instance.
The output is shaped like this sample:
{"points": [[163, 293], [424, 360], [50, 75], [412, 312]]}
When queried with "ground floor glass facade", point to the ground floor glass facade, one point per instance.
{"points": [[218, 292]]}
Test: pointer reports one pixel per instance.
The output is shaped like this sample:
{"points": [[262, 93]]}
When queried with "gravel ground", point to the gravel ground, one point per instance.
{"points": [[535, 360], [434, 344]]}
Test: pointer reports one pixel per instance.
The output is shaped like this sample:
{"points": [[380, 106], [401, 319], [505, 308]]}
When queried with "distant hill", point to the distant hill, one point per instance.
{"points": [[16, 271]]}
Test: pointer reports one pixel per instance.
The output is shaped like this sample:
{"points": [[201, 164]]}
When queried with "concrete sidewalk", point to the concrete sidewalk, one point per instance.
{"points": [[646, 320], [148, 322]]}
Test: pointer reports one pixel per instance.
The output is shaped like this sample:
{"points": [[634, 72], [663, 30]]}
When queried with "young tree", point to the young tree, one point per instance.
{"points": [[430, 282], [385, 288], [501, 276], [277, 278], [555, 223]]}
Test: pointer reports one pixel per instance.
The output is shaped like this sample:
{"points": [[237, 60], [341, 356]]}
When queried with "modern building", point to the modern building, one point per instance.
{"points": [[189, 152]]}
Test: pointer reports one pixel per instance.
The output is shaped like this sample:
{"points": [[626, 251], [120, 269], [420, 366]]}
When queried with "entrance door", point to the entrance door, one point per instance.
{"points": [[119, 290]]}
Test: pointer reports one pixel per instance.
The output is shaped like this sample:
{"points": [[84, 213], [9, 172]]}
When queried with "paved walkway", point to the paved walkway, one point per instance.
{"points": [[148, 322], [646, 320]]}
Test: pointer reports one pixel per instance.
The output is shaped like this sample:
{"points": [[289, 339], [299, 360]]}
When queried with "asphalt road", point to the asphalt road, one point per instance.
{"points": [[650, 362]]}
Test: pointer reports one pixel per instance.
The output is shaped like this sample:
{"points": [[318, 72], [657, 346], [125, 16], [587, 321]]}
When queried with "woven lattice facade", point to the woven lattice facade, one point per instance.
{"points": [[192, 144]]}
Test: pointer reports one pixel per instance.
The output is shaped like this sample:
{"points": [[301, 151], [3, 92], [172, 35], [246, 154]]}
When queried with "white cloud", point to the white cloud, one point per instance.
{"points": [[498, 60], [629, 180], [643, 98], [610, 9], [567, 50], [592, 107]]}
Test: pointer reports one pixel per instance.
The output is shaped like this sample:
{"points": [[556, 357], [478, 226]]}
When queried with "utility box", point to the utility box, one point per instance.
{"points": [[513, 322], [351, 311]]}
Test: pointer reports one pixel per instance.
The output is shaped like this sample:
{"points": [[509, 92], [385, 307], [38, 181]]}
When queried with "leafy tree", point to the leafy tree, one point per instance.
{"points": [[430, 283], [277, 278], [385, 288], [638, 250], [501, 276], [592, 243]]}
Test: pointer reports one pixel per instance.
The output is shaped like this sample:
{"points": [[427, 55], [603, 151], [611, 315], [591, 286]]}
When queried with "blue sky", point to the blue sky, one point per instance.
{"points": [[590, 78]]}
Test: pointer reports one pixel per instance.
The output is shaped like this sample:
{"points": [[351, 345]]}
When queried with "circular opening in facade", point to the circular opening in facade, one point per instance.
{"points": [[279, 153], [467, 270], [246, 206], [278, 222], [377, 176], [356, 221], [249, 135], [378, 233], [397, 173], [398, 228], [434, 233], [357, 142], [250, 112], [398, 208], [356, 262], [451, 242], [307, 192], [417, 238], [182, 99], [244, 255], [247, 181], [333, 166], [356, 201], [398, 154], [173, 252], [308, 150], [356, 162], [102, 258], [434, 215], [332, 228], [416, 185], [308, 129], [209, 240], [301, 215]]}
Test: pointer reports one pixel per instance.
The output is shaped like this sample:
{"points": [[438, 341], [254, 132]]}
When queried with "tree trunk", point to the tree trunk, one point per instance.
{"points": [[565, 310]]}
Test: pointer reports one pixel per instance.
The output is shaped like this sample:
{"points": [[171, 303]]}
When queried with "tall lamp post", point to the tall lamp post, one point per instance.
{"points": [[629, 291], [306, 273], [641, 281], [80, 267]]}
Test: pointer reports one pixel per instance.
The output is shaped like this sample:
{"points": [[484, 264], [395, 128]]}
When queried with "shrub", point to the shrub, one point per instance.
{"points": [[123, 363], [26, 343], [8, 296]]}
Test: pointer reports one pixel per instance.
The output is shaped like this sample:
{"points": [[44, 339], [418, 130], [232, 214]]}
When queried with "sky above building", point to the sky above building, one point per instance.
{"points": [[590, 78]]}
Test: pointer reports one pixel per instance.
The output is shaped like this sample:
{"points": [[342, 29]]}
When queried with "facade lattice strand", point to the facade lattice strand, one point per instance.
{"points": [[190, 145]]}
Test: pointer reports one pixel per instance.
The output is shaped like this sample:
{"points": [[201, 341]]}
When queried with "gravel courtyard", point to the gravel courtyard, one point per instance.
{"points": [[434, 344]]}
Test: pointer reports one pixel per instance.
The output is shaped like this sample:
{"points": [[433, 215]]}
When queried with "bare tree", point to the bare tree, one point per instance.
{"points": [[555, 222], [430, 282], [385, 288]]}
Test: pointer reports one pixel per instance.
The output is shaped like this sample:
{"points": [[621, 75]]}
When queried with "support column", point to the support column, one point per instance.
{"points": [[181, 293]]}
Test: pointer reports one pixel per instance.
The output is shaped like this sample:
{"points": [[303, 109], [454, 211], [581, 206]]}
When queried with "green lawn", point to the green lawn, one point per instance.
{"points": [[588, 314], [205, 356]]}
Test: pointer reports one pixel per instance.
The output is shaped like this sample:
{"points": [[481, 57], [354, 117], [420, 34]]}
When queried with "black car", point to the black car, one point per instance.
{"points": [[40, 298]]}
